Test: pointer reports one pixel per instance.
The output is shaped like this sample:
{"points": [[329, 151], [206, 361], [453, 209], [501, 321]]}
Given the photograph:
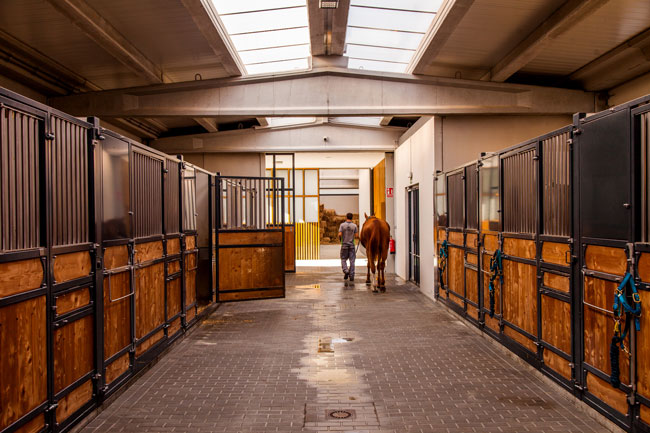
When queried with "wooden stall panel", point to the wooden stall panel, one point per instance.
{"points": [[250, 268], [490, 243], [250, 238], [173, 246], [71, 266], [556, 331], [117, 368], [149, 299], [557, 282], [74, 401], [23, 339], [471, 286], [33, 426], [116, 257], [522, 248], [174, 297], [599, 327], [289, 248], [190, 279], [520, 297], [605, 392], [606, 259], [72, 300], [471, 240], [73, 351], [455, 271], [556, 253], [117, 313], [21, 276]]}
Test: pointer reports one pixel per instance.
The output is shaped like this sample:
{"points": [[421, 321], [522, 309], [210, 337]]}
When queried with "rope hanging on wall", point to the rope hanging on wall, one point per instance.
{"points": [[621, 307]]}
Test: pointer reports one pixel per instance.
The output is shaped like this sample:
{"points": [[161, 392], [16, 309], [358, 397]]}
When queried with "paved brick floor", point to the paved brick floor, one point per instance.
{"points": [[399, 363]]}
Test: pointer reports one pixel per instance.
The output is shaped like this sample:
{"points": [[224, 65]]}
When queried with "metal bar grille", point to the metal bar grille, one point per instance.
{"points": [[69, 160], [20, 135], [250, 203], [147, 203], [519, 195], [456, 196], [172, 190], [471, 183], [556, 177], [189, 199], [645, 166]]}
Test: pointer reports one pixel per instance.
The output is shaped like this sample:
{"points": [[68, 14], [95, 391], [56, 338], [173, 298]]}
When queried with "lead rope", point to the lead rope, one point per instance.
{"points": [[443, 254], [496, 270], [620, 307]]}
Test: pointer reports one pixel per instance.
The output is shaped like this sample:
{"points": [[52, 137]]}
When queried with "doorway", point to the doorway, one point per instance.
{"points": [[413, 193]]}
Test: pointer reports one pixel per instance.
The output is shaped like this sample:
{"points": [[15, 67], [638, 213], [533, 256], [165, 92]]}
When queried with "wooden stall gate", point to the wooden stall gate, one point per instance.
{"points": [[48, 308], [250, 238], [92, 246]]}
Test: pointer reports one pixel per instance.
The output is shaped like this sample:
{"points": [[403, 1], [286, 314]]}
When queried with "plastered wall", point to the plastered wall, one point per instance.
{"points": [[229, 164]]}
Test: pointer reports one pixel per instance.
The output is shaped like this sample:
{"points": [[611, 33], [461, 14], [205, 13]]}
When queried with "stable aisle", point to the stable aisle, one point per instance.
{"points": [[393, 362]]}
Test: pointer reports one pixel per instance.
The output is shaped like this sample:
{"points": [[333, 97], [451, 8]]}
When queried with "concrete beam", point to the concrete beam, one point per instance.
{"points": [[560, 21], [302, 138], [29, 65], [327, 28], [106, 36], [209, 24], [327, 93], [623, 63], [208, 124], [447, 18]]}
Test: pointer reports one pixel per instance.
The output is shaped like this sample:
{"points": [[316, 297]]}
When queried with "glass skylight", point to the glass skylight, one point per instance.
{"points": [[364, 121], [383, 35], [270, 35], [275, 122]]}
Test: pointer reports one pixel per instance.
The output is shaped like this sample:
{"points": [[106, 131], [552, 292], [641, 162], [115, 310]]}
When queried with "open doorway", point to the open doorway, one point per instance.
{"points": [[413, 193]]}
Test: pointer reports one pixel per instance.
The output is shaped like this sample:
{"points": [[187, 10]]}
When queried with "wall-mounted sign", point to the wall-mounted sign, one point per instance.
{"points": [[389, 192]]}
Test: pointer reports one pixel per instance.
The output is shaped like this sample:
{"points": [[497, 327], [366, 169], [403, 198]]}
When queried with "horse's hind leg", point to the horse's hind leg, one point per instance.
{"points": [[370, 266], [381, 266]]}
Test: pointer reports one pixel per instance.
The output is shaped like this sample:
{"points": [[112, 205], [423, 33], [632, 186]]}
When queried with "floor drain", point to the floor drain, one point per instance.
{"points": [[340, 414]]}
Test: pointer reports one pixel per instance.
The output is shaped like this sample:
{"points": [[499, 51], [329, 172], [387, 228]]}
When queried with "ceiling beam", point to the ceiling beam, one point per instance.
{"points": [[623, 63], [209, 124], [447, 18], [327, 28], [288, 139], [95, 26], [327, 93], [570, 13], [209, 24], [32, 67]]}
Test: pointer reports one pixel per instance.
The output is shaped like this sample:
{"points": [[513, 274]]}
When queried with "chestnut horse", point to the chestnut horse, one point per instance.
{"points": [[375, 236]]}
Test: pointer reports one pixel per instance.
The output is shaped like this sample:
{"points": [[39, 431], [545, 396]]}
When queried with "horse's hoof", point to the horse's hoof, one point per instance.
{"points": [[374, 290], [383, 289], [368, 281]]}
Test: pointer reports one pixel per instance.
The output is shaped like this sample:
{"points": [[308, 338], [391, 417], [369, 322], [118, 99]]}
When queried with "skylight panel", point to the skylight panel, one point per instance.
{"points": [[276, 38], [270, 36], [242, 6], [383, 38], [265, 20], [288, 121], [383, 35], [280, 66], [372, 65], [379, 53], [364, 121], [374, 18], [266, 55], [407, 5]]}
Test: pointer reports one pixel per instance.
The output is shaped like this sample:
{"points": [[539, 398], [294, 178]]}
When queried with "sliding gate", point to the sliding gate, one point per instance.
{"points": [[250, 238]]}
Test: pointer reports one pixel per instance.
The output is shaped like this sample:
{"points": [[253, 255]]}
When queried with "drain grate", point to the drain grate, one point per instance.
{"points": [[340, 414]]}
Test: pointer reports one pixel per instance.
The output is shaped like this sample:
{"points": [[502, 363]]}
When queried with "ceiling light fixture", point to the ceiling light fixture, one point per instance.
{"points": [[324, 4]]}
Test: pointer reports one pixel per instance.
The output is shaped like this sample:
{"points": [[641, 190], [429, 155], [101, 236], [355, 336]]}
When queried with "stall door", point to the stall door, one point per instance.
{"points": [[414, 233], [471, 242], [250, 238], [118, 250], [605, 224]]}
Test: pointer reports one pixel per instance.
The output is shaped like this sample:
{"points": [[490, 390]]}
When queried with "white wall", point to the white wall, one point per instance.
{"points": [[364, 193], [416, 156], [229, 164]]}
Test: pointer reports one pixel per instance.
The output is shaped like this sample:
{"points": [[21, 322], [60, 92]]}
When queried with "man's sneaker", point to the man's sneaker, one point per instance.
{"points": [[345, 275], [352, 278]]}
